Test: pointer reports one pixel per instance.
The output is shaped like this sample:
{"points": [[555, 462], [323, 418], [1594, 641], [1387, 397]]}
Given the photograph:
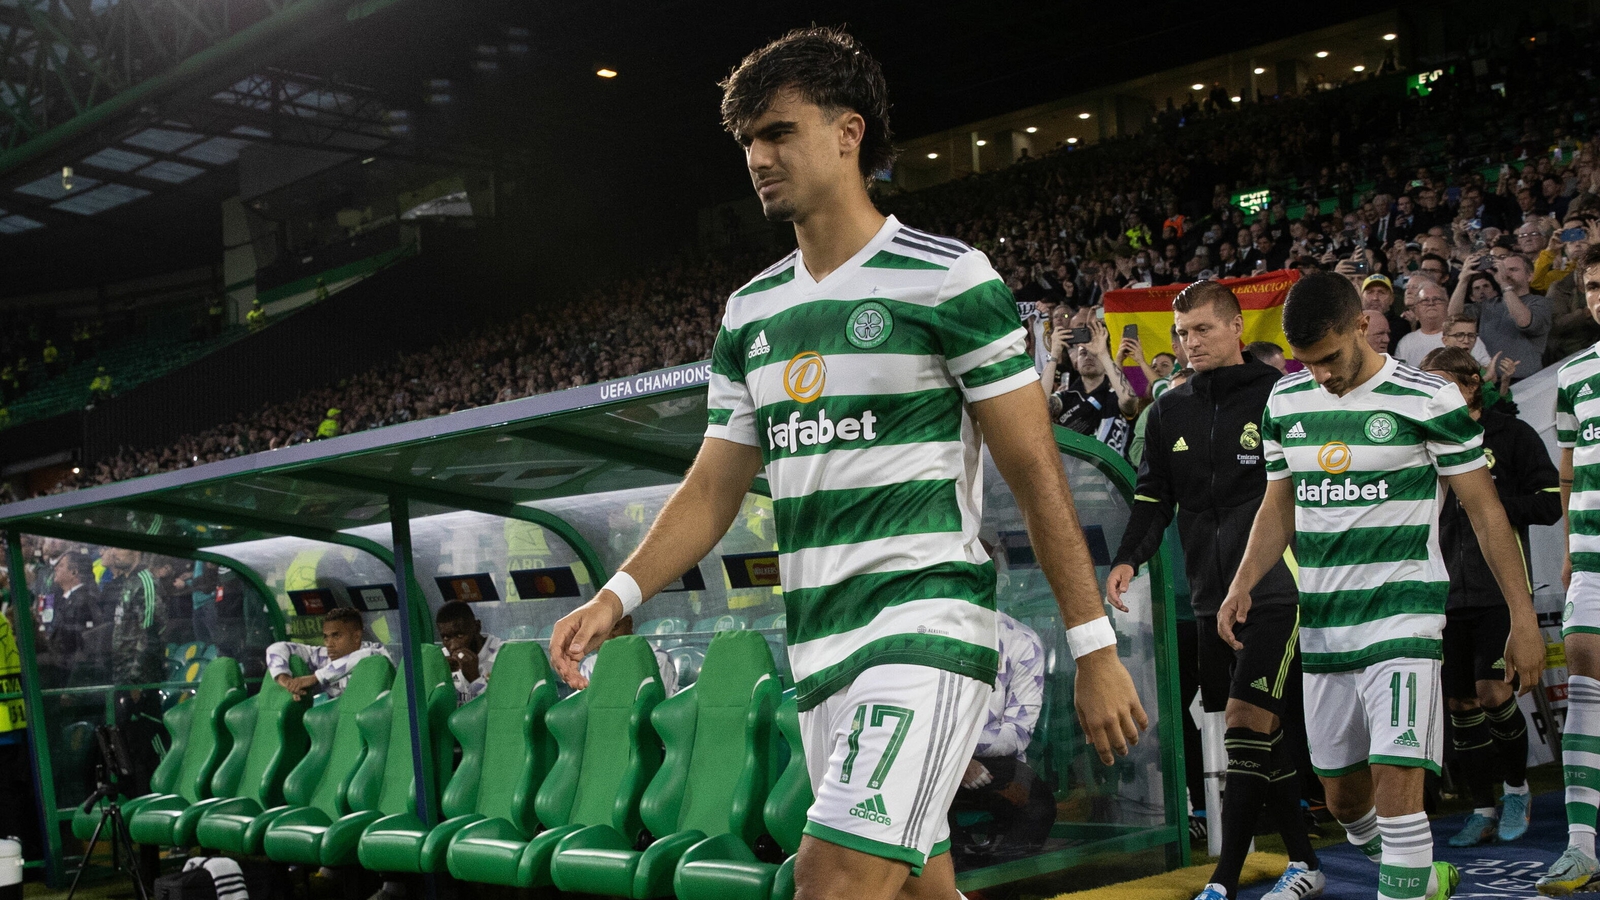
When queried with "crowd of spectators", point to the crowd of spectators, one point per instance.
{"points": [[1467, 203]]}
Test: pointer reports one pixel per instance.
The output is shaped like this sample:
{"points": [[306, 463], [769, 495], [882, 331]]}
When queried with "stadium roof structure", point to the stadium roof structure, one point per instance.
{"points": [[574, 463], [150, 101]]}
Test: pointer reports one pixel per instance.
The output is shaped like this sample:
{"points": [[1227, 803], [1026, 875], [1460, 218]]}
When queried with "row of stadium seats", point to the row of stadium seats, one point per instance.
{"points": [[612, 791]]}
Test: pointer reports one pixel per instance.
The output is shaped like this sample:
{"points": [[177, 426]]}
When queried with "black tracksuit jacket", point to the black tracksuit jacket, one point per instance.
{"points": [[1203, 456]]}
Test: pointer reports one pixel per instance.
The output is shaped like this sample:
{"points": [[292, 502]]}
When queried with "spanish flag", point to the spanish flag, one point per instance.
{"points": [[1260, 300]]}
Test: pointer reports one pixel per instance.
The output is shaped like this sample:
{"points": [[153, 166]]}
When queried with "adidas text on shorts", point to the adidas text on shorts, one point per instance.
{"points": [[1386, 714], [886, 755]]}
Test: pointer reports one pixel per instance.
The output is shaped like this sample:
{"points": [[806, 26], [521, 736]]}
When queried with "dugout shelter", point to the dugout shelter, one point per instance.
{"points": [[523, 509]]}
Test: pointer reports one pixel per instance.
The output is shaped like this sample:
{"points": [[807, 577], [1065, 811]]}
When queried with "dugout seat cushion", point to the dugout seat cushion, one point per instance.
{"points": [[724, 868], [200, 740], [385, 781], [505, 754], [267, 739], [322, 778], [714, 777], [607, 752]]}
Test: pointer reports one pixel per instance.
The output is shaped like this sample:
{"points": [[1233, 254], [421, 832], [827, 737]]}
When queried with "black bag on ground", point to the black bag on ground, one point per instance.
{"points": [[198, 881], [194, 884]]}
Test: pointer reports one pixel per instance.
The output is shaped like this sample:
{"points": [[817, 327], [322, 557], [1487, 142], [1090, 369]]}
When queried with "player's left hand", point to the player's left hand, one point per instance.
{"points": [[1524, 654], [1109, 711]]}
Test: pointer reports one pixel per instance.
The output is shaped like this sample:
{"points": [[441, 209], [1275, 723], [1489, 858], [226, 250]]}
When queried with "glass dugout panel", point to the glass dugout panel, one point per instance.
{"points": [[520, 577], [309, 577], [735, 587], [101, 659], [1092, 803]]}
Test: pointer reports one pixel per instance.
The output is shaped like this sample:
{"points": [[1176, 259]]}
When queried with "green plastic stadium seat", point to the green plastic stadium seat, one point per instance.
{"points": [[720, 756], [723, 868], [267, 739], [505, 753], [383, 785], [322, 779], [199, 742], [778, 621], [607, 752]]}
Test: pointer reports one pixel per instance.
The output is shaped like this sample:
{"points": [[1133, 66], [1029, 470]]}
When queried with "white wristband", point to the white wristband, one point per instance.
{"points": [[1093, 635], [627, 590]]}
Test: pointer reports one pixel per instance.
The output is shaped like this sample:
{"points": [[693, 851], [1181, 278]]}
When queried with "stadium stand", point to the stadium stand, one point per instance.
{"points": [[1069, 223]]}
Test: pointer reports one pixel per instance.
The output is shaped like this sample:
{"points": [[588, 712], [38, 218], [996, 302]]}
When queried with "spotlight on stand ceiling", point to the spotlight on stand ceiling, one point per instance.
{"points": [[604, 72]]}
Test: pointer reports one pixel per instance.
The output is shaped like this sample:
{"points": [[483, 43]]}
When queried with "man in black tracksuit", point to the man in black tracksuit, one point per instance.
{"points": [[1203, 457], [1488, 732]]}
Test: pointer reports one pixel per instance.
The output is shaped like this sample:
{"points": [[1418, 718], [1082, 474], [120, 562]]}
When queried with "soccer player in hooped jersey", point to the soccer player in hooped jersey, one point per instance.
{"points": [[1357, 447], [865, 372], [1578, 435]]}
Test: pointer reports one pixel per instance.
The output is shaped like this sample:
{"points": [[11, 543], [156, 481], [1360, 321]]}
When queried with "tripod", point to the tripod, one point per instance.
{"points": [[124, 858]]}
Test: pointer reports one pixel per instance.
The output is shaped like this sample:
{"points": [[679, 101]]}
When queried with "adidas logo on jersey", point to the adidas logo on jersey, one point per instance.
{"points": [[1298, 431], [1181, 445], [1585, 390], [1409, 739], [1260, 684], [872, 810], [759, 346]]}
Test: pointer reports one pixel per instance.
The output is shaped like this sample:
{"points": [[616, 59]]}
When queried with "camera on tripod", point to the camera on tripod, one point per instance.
{"points": [[115, 769], [115, 765]]}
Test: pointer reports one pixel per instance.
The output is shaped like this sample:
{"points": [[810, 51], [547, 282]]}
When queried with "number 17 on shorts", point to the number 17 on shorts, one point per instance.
{"points": [[886, 755]]}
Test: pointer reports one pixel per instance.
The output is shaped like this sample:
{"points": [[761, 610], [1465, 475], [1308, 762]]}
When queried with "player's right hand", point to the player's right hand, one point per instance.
{"points": [[580, 633], [1117, 584], [1235, 609], [1109, 711], [1524, 654]]}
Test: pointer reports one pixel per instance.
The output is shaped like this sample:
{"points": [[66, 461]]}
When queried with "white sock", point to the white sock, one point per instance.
{"points": [[1363, 832], [1581, 837], [1583, 718], [1407, 868], [1519, 789], [1488, 812]]}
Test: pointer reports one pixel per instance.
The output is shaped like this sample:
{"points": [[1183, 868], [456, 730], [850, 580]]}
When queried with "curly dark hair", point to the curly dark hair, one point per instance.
{"points": [[825, 66]]}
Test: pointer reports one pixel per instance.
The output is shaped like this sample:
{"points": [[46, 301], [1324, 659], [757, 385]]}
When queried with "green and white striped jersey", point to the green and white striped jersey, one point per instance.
{"points": [[1366, 469], [855, 390], [1578, 429]]}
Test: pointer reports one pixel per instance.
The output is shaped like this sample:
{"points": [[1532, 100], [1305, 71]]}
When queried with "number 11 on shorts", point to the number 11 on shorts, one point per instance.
{"points": [[1394, 702], [880, 712]]}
